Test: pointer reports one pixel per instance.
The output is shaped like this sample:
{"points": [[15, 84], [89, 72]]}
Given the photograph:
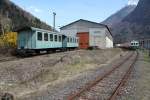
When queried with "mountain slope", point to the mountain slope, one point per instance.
{"points": [[141, 15], [119, 16], [13, 17], [136, 25]]}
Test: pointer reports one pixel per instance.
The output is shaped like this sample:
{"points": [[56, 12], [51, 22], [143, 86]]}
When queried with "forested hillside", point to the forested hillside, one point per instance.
{"points": [[12, 17]]}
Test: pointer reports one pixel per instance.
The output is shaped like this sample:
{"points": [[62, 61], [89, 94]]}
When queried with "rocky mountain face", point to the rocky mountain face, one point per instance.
{"points": [[119, 16], [135, 25], [13, 17], [139, 20]]}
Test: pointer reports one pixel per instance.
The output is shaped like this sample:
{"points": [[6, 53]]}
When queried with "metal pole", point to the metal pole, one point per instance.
{"points": [[54, 15]]}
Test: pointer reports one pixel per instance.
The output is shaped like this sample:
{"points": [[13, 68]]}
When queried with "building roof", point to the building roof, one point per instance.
{"points": [[99, 24]]}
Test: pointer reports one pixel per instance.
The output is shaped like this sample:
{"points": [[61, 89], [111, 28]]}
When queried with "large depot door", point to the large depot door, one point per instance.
{"points": [[83, 40]]}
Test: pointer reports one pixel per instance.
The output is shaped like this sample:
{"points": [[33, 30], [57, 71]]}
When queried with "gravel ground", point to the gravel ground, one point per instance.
{"points": [[61, 89], [138, 88], [104, 89], [29, 75]]}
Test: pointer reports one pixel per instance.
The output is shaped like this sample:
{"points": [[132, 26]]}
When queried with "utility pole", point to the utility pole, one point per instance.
{"points": [[54, 16]]}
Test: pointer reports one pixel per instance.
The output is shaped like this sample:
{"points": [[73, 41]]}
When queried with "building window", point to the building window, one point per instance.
{"points": [[56, 38], [45, 36], [59, 38], [51, 37], [39, 36]]}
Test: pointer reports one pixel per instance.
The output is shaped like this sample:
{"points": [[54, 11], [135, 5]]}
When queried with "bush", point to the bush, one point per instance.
{"points": [[9, 40]]}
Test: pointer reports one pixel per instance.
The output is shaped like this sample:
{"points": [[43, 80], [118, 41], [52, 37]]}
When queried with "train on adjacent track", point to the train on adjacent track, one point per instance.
{"points": [[34, 40], [129, 45]]}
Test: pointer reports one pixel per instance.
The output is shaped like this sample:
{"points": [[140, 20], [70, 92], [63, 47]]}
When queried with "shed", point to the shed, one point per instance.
{"points": [[91, 34]]}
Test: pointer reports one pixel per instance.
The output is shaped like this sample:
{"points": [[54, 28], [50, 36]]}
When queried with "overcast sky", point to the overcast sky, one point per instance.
{"points": [[71, 10]]}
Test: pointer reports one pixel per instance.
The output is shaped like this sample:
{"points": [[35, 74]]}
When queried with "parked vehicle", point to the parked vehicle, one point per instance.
{"points": [[129, 45], [33, 40]]}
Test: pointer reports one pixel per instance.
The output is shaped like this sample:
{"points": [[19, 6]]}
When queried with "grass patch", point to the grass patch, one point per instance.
{"points": [[146, 56]]}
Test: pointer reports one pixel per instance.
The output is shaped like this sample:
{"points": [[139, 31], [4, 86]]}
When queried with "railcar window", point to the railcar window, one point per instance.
{"points": [[51, 37], [55, 37], [132, 43], [73, 40], [68, 39], [39, 36], [45, 36], [77, 40], [59, 38]]}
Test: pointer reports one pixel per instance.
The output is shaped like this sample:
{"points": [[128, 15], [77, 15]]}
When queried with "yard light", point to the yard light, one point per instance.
{"points": [[54, 15]]}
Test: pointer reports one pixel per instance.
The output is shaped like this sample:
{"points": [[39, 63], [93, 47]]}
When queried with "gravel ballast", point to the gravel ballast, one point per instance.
{"points": [[44, 76]]}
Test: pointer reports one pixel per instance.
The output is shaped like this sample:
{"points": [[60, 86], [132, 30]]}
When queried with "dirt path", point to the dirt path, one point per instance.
{"points": [[138, 87], [143, 77]]}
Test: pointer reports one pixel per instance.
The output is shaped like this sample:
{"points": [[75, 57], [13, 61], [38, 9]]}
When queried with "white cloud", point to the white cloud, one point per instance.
{"points": [[133, 2], [33, 9]]}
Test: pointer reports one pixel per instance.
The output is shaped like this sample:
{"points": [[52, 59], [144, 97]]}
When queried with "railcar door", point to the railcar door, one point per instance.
{"points": [[64, 41]]}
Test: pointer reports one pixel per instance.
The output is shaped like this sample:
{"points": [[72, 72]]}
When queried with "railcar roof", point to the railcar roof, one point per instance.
{"points": [[41, 30], [36, 29]]}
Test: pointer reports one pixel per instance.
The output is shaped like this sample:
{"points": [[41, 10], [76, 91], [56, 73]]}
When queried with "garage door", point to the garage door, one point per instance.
{"points": [[83, 40]]}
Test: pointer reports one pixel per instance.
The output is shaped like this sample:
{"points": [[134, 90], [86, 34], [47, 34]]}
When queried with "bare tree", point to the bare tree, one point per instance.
{"points": [[1, 25]]}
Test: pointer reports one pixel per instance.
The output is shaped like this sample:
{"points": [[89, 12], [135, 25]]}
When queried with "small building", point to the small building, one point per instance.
{"points": [[144, 43], [91, 34]]}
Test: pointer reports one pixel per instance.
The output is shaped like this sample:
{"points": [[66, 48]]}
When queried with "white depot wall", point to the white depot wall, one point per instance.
{"points": [[71, 32], [109, 43], [97, 37]]}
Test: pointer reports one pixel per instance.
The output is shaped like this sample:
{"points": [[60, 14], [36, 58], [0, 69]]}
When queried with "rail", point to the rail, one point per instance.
{"points": [[99, 79]]}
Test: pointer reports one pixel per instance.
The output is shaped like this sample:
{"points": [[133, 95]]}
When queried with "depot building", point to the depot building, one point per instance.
{"points": [[91, 34]]}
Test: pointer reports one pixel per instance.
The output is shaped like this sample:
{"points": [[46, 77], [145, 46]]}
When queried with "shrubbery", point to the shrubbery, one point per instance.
{"points": [[9, 40]]}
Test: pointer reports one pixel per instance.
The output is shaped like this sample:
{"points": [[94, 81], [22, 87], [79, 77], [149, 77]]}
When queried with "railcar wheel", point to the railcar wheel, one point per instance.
{"points": [[7, 96]]}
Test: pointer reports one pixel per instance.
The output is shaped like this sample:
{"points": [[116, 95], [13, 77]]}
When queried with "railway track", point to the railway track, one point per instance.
{"points": [[107, 86], [6, 59]]}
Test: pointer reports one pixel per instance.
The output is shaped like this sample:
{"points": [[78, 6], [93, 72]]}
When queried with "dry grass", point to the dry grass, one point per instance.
{"points": [[146, 56], [30, 74], [143, 80]]}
